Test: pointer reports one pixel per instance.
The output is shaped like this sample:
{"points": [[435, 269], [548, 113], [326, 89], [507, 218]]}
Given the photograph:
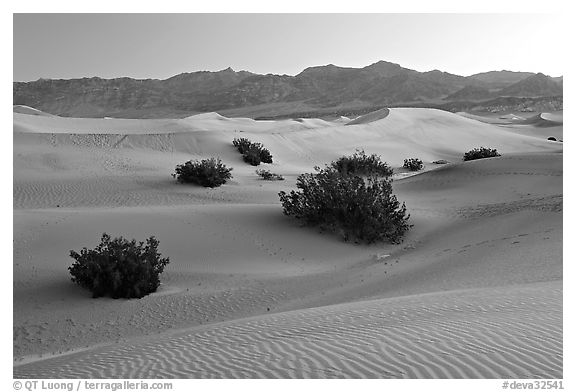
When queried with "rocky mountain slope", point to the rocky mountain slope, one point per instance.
{"points": [[321, 89]]}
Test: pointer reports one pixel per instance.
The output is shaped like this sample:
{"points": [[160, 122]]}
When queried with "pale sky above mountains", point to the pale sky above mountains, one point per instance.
{"points": [[162, 45]]}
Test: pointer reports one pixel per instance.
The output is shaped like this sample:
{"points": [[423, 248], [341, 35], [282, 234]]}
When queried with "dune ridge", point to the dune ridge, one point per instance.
{"points": [[29, 110]]}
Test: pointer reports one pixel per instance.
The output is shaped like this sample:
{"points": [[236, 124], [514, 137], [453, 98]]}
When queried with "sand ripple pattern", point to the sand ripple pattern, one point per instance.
{"points": [[512, 332], [552, 203]]}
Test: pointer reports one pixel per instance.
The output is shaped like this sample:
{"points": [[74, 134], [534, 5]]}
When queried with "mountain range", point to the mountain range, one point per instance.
{"points": [[320, 90]]}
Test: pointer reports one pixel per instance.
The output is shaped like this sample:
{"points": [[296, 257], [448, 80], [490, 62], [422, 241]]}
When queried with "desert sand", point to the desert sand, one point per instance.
{"points": [[474, 291]]}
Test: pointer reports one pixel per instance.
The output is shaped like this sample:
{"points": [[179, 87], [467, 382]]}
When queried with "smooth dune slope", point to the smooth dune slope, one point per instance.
{"points": [[473, 291]]}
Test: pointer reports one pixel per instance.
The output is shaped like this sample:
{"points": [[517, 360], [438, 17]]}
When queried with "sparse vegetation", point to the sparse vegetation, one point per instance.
{"points": [[359, 208], [363, 165], [480, 153], [207, 172], [253, 153], [413, 164], [269, 176], [119, 268]]}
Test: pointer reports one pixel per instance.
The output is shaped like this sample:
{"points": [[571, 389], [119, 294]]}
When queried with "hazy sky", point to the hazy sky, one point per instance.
{"points": [[163, 45]]}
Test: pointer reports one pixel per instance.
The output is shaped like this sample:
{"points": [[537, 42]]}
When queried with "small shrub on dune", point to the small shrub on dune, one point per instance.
{"points": [[360, 209], [552, 138], [265, 155], [480, 153], [242, 144], [119, 268], [252, 156], [413, 164], [207, 172], [269, 176], [361, 164], [253, 153]]}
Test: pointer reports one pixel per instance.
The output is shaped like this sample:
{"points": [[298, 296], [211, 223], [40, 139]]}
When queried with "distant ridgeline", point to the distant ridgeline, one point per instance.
{"points": [[315, 92]]}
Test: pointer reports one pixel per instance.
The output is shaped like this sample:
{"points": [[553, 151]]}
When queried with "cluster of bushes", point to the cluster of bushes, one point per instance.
{"points": [[252, 153], [269, 176], [207, 172], [119, 268], [351, 196], [413, 164], [361, 164], [480, 153]]}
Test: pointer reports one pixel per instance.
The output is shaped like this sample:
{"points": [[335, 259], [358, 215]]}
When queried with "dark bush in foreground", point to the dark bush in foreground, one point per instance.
{"points": [[413, 164], [362, 164], [253, 153], [119, 268], [358, 208], [269, 176], [207, 172], [479, 153]]}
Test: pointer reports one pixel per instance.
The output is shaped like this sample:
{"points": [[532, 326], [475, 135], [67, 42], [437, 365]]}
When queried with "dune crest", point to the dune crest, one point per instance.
{"points": [[370, 117], [23, 109]]}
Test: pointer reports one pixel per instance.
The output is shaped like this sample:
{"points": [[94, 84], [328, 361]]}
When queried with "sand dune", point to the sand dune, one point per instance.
{"points": [[544, 120], [474, 290], [500, 120], [371, 117], [512, 116], [540, 119], [542, 125], [25, 122], [297, 145], [342, 120], [460, 239], [29, 110], [512, 332], [557, 117]]}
